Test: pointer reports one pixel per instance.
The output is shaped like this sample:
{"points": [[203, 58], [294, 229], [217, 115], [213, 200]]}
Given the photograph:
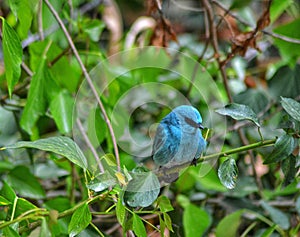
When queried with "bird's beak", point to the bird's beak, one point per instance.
{"points": [[200, 126]]}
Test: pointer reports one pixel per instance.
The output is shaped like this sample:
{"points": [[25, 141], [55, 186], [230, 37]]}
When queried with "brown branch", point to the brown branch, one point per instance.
{"points": [[89, 80], [214, 42]]}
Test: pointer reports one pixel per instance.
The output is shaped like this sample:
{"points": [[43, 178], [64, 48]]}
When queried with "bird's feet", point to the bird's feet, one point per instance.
{"points": [[194, 162]]}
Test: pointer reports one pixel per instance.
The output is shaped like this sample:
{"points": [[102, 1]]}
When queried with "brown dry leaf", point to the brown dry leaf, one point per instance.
{"points": [[163, 33], [243, 41], [263, 21], [151, 6]]}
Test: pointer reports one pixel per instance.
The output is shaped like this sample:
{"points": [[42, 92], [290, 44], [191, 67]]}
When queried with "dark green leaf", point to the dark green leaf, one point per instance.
{"points": [[120, 212], [81, 218], [102, 182], [292, 107], [138, 226], [228, 173], [195, 220], [23, 181], [283, 147], [285, 82], [12, 53], [254, 98], [289, 169], [239, 112], [42, 89], [61, 108], [164, 204], [229, 225], [60, 145], [277, 216], [142, 190]]}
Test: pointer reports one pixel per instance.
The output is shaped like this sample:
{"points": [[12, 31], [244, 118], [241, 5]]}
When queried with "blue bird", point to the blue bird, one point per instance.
{"points": [[178, 137]]}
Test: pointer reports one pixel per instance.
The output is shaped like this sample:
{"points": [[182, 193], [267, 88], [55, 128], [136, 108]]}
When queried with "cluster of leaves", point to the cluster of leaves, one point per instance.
{"points": [[51, 187]]}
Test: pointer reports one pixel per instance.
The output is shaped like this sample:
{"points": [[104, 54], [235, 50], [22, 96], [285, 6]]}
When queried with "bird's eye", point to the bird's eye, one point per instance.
{"points": [[191, 122]]}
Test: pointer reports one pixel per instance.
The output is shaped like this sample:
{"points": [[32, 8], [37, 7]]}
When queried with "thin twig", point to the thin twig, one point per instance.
{"points": [[246, 23], [214, 42], [89, 144], [89, 80]]}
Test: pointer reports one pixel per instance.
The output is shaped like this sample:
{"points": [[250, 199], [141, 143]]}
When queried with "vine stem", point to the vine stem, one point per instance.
{"points": [[88, 78], [249, 147]]}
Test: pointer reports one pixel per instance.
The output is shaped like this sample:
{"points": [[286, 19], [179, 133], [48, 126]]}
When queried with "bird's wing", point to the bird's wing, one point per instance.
{"points": [[166, 144]]}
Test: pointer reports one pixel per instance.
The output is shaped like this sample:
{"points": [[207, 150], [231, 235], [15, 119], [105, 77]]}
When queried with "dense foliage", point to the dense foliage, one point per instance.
{"points": [[83, 85]]}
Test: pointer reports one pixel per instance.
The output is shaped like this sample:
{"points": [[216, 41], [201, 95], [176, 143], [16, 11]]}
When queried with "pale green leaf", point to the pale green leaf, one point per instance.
{"points": [[292, 107], [228, 173], [239, 112], [60, 145], [138, 226], [229, 225], [195, 220]]}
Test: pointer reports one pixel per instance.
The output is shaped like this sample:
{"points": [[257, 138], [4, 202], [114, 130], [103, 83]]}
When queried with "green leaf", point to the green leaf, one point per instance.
{"points": [[93, 29], [283, 147], [142, 190], [61, 108], [81, 218], [138, 226], [239, 112], [277, 216], [102, 182], [195, 220], [23, 181], [23, 206], [298, 205], [285, 82], [45, 231], [120, 212], [289, 51], [228, 173], [268, 232], [23, 10], [4, 201], [229, 225], [278, 7], [168, 221], [289, 170], [60, 145], [12, 54], [8, 231], [7, 192], [164, 204], [42, 88], [292, 107], [254, 98]]}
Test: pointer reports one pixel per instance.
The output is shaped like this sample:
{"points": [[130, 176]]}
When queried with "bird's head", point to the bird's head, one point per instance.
{"points": [[189, 116]]}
